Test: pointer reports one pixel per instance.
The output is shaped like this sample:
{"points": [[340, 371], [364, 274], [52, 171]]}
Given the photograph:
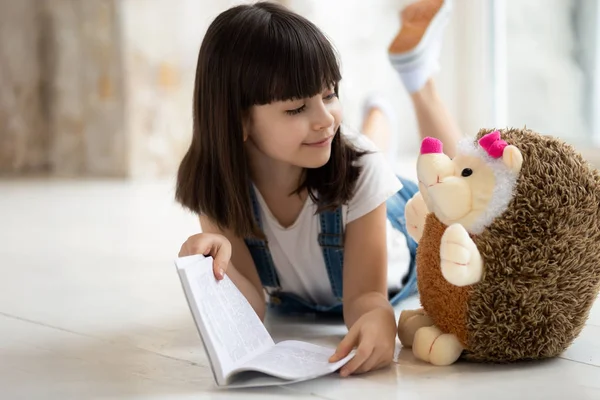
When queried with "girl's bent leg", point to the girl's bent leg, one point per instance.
{"points": [[379, 122], [414, 53], [434, 118], [376, 126]]}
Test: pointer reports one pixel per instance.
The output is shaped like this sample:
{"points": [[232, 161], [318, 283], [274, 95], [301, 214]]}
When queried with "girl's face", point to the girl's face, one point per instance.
{"points": [[297, 132]]}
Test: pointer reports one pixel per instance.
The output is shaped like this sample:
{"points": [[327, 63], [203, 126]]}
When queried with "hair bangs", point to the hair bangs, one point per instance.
{"points": [[299, 63]]}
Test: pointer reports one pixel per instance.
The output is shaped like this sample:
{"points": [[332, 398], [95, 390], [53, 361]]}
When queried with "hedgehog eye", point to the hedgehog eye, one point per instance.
{"points": [[467, 172]]}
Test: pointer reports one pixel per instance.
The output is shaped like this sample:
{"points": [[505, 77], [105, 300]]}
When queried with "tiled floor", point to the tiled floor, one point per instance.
{"points": [[91, 307]]}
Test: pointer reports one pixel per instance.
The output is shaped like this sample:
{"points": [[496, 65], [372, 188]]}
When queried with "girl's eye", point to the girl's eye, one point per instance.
{"points": [[303, 107], [296, 110]]}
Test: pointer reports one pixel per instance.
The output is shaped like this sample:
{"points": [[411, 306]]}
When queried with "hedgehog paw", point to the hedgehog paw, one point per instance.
{"points": [[409, 322], [438, 348], [415, 213], [460, 260]]}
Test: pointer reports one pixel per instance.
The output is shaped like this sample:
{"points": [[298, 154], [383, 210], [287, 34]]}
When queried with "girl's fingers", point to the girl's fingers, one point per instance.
{"points": [[183, 251], [345, 346], [216, 246], [363, 353], [374, 362], [221, 256]]}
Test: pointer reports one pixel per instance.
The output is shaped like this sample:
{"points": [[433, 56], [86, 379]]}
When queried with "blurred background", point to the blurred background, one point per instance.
{"points": [[103, 88]]}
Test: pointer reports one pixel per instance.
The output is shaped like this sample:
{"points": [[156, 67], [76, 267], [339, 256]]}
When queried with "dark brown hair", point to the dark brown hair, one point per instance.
{"points": [[254, 55]]}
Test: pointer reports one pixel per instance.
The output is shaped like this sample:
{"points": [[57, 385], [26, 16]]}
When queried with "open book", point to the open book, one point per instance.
{"points": [[239, 348]]}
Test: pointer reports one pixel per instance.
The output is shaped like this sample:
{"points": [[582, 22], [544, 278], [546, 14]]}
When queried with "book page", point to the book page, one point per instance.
{"points": [[232, 326], [295, 361]]}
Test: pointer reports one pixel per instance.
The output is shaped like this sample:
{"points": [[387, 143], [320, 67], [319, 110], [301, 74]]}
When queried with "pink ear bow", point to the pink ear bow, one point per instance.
{"points": [[492, 144]]}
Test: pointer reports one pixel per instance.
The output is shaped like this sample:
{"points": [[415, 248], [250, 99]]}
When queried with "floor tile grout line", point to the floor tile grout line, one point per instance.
{"points": [[45, 325], [579, 362]]}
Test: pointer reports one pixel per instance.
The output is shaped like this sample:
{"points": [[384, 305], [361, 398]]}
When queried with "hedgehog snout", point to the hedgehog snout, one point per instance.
{"points": [[433, 168]]}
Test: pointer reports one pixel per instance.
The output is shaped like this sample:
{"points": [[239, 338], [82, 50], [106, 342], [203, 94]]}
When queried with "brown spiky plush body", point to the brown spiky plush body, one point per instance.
{"points": [[541, 261]]}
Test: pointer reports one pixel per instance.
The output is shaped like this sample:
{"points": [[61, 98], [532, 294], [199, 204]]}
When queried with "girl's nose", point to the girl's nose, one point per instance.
{"points": [[323, 118]]}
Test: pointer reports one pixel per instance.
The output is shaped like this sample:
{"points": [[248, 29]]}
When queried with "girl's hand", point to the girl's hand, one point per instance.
{"points": [[209, 244], [374, 334]]}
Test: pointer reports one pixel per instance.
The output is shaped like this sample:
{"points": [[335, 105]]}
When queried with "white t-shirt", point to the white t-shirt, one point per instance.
{"points": [[295, 250]]}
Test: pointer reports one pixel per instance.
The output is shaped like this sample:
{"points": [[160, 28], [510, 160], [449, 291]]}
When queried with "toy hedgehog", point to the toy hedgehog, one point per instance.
{"points": [[508, 264]]}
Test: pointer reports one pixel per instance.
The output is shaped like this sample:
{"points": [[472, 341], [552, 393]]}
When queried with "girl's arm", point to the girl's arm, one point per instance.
{"points": [[365, 266], [241, 269], [368, 313]]}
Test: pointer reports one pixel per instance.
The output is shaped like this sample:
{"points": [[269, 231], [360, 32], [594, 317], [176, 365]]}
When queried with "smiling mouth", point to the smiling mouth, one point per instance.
{"points": [[320, 142]]}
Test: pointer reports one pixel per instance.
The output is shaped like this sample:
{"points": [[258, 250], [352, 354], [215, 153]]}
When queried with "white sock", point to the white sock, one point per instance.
{"points": [[417, 66], [415, 72]]}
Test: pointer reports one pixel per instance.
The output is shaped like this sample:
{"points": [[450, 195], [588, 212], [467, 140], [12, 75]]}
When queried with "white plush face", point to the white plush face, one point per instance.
{"points": [[471, 189]]}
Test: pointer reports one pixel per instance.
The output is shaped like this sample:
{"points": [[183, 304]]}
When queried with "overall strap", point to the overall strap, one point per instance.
{"points": [[259, 250], [331, 240]]}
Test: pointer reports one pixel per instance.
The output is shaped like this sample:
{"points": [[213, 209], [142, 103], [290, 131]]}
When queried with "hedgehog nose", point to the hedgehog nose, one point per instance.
{"points": [[431, 145]]}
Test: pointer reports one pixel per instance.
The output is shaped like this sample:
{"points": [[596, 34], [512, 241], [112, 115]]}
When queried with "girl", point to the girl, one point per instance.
{"points": [[289, 204]]}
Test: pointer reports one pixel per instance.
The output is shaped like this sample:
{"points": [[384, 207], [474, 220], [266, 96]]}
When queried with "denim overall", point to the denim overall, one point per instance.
{"points": [[331, 240]]}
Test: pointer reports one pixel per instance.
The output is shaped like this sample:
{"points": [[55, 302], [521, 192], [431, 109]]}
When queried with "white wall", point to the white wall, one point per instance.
{"points": [[546, 83]]}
